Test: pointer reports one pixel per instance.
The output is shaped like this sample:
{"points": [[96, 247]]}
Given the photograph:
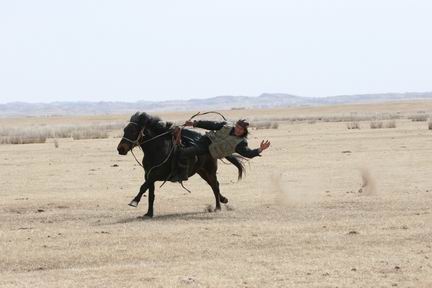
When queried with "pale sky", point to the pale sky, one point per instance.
{"points": [[158, 50]]}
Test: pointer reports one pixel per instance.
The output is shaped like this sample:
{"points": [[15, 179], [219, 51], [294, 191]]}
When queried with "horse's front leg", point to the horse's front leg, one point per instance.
{"points": [[150, 200], [137, 199]]}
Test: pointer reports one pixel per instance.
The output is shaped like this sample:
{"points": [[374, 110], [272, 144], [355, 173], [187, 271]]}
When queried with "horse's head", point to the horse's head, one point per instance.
{"points": [[133, 134]]}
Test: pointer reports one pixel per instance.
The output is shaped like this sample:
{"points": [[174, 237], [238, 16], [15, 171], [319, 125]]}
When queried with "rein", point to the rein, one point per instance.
{"points": [[136, 142], [141, 134]]}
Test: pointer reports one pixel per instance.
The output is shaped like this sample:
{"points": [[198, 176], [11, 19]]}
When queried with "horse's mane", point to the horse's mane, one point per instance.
{"points": [[152, 123]]}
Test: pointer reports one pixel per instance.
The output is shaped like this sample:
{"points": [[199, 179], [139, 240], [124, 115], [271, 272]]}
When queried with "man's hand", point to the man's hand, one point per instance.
{"points": [[189, 123], [264, 145]]}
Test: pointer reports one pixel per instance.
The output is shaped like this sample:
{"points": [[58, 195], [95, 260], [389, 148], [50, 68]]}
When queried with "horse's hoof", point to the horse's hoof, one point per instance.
{"points": [[133, 203], [223, 200], [148, 215]]}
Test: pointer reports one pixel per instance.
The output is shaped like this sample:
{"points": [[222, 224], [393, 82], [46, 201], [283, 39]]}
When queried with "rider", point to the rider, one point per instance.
{"points": [[222, 140]]}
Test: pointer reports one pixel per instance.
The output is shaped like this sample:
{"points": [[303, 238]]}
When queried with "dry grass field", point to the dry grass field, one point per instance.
{"points": [[325, 206]]}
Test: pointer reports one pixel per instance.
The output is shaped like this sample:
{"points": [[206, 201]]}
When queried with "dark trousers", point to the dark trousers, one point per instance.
{"points": [[185, 155], [201, 147]]}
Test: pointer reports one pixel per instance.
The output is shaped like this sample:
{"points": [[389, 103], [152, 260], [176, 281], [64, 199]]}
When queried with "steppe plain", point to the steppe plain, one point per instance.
{"points": [[325, 206]]}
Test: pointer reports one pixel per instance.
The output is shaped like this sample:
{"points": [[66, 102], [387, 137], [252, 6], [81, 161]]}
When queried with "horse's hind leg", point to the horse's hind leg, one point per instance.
{"points": [[214, 184], [137, 199], [223, 199], [150, 200]]}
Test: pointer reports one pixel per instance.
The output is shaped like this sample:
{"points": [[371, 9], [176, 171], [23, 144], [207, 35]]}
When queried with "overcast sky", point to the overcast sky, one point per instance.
{"points": [[157, 50]]}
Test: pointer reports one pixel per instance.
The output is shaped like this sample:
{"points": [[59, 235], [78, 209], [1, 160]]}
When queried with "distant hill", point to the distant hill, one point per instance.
{"points": [[266, 100]]}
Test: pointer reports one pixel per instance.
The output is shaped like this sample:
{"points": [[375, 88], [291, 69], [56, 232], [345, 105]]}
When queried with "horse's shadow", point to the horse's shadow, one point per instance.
{"points": [[198, 215]]}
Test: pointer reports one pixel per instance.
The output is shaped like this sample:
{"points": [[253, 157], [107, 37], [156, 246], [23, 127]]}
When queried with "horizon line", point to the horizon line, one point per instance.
{"points": [[192, 99]]}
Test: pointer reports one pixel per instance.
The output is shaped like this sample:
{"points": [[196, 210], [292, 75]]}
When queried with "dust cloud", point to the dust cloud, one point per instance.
{"points": [[299, 192], [368, 186]]}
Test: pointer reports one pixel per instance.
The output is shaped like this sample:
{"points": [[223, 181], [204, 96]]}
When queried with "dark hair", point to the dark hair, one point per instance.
{"points": [[244, 124], [246, 133]]}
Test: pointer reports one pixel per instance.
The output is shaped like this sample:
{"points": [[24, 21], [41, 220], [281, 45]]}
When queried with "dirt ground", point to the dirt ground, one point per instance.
{"points": [[300, 218]]}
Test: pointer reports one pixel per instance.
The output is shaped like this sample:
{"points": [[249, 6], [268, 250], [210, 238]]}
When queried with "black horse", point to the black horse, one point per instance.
{"points": [[156, 140]]}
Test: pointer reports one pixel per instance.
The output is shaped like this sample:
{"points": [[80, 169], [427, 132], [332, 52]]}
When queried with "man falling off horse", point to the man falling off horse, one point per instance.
{"points": [[222, 140]]}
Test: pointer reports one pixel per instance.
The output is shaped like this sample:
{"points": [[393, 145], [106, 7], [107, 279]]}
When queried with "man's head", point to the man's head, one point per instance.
{"points": [[241, 128]]}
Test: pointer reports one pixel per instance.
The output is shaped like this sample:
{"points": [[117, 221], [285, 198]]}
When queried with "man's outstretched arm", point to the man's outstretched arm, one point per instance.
{"points": [[243, 149], [205, 124]]}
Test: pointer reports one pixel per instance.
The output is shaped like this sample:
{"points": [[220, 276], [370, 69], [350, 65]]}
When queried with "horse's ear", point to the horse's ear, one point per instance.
{"points": [[135, 117]]}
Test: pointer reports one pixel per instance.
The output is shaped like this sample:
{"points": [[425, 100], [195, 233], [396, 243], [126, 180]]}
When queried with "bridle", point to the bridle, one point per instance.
{"points": [[141, 135], [136, 142]]}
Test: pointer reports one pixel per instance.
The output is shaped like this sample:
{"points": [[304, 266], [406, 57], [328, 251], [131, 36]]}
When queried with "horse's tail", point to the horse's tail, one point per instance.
{"points": [[238, 162]]}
